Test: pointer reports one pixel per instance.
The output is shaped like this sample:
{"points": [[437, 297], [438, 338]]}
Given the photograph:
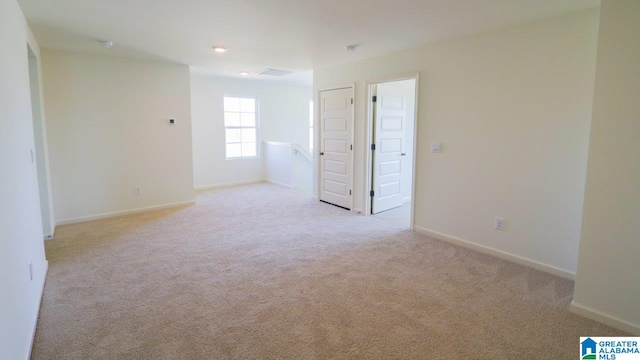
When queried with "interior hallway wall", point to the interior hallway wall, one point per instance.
{"points": [[108, 131], [512, 108], [607, 287], [23, 266]]}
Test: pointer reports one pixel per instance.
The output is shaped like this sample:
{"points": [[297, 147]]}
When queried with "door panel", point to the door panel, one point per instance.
{"points": [[389, 137], [336, 122]]}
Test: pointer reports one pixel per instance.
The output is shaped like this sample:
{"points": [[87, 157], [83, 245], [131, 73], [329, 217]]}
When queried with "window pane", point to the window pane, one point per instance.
{"points": [[248, 119], [233, 136], [234, 150], [248, 105], [249, 149], [248, 135], [231, 104], [231, 119]]}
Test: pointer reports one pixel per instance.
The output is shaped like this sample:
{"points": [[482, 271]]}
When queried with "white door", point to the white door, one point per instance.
{"points": [[336, 149], [389, 140]]}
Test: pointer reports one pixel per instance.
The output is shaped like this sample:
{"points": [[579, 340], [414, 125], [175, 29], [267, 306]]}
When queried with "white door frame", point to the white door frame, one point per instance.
{"points": [[316, 136], [369, 123]]}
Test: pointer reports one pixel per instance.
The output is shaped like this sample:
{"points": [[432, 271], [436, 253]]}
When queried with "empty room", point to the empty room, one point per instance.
{"points": [[271, 179]]}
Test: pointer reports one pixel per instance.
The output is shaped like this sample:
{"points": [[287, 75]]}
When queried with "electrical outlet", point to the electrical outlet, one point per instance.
{"points": [[31, 271], [499, 223], [137, 190]]}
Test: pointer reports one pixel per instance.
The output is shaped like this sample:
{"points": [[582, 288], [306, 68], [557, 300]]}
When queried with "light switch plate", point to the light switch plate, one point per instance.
{"points": [[436, 147]]}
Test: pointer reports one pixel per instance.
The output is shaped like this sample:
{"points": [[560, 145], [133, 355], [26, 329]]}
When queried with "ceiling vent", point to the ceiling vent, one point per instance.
{"points": [[275, 72]]}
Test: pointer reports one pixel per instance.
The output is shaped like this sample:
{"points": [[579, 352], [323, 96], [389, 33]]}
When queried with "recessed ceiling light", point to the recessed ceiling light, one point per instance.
{"points": [[244, 73], [352, 47], [219, 49], [107, 43]]}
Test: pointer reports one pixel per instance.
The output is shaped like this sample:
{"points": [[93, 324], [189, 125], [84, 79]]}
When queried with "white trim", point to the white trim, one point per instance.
{"points": [[35, 324], [357, 211], [120, 213], [336, 87], [279, 184], [606, 319], [52, 235], [237, 183], [407, 199], [498, 253]]}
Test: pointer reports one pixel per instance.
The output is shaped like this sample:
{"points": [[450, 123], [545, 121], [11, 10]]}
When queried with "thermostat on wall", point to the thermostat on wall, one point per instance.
{"points": [[172, 121]]}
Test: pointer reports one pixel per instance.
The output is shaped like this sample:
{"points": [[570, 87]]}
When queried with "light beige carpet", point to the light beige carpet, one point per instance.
{"points": [[263, 272]]}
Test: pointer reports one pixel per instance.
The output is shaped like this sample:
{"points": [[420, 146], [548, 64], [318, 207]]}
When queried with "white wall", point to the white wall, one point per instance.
{"points": [[41, 147], [283, 115], [512, 109], [278, 163], [108, 132], [607, 286], [21, 240]]}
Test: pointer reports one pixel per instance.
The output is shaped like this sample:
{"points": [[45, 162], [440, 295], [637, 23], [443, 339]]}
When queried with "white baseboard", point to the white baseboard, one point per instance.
{"points": [[498, 253], [35, 324], [357, 211], [237, 183], [278, 183], [606, 319], [120, 213]]}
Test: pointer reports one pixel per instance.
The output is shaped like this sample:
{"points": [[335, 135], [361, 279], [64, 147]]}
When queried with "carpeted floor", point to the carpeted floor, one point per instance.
{"points": [[263, 272]]}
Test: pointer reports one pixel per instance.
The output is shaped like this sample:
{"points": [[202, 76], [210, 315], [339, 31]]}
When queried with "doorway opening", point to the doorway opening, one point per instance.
{"points": [[39, 153], [391, 162]]}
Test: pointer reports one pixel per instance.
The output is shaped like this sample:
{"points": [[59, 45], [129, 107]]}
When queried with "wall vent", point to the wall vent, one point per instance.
{"points": [[275, 72]]}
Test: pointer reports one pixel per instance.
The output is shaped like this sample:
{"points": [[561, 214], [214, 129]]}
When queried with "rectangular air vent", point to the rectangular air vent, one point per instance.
{"points": [[275, 72]]}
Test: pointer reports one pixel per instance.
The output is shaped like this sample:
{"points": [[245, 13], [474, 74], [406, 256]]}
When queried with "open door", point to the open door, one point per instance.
{"points": [[389, 148], [336, 147]]}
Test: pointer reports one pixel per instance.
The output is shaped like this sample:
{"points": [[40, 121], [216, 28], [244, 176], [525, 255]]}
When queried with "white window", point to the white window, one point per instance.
{"points": [[241, 127], [311, 126]]}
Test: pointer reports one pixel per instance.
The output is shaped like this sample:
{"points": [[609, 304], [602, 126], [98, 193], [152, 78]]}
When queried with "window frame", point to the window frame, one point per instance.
{"points": [[256, 127]]}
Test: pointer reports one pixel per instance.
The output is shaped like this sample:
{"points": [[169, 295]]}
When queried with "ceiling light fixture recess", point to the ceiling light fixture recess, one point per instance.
{"points": [[220, 49], [244, 73], [351, 47], [106, 43]]}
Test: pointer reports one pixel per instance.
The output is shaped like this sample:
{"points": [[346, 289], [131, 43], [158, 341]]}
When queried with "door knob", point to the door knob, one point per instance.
{"points": [[403, 154], [321, 153]]}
